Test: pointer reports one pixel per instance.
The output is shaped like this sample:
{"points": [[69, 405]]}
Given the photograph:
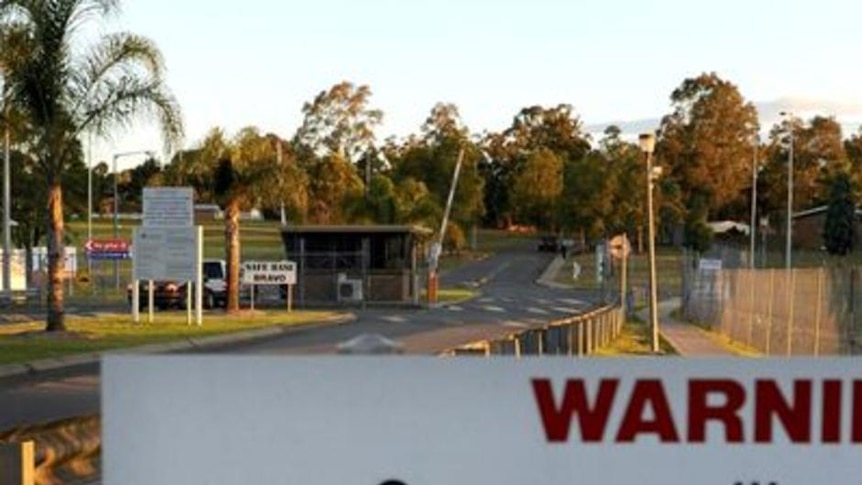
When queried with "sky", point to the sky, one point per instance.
{"points": [[257, 62]]}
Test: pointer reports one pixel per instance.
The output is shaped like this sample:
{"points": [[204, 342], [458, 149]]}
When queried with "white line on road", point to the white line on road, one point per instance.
{"points": [[536, 310], [493, 308]]}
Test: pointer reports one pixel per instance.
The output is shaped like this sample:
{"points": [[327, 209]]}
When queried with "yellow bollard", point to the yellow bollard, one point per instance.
{"points": [[17, 463]]}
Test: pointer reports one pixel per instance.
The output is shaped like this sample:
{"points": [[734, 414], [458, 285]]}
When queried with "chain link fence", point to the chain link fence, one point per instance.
{"points": [[800, 311]]}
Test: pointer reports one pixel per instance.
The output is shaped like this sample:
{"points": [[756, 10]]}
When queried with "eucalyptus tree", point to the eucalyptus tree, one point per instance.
{"points": [[818, 154], [431, 161], [536, 190], [556, 130], [335, 140], [706, 147], [339, 121], [67, 88]]}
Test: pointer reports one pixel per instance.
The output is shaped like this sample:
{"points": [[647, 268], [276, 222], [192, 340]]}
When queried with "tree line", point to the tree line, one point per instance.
{"points": [[544, 170]]}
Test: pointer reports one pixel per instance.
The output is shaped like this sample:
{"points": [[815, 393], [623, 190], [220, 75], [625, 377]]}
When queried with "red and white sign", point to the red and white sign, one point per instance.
{"points": [[429, 421], [106, 246]]}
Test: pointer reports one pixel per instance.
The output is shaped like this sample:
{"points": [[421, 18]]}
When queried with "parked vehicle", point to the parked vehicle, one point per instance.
{"points": [[549, 243], [174, 294]]}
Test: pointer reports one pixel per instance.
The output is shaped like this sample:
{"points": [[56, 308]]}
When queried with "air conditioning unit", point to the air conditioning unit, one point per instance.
{"points": [[349, 289]]}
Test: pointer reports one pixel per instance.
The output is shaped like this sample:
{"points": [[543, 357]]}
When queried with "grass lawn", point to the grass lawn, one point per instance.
{"points": [[23, 342], [633, 341], [668, 272]]}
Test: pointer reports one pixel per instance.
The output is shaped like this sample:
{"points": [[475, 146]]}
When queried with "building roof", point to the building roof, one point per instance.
{"points": [[819, 210], [357, 228], [720, 227]]}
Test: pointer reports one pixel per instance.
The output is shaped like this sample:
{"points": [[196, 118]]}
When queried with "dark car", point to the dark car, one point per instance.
{"points": [[549, 243]]}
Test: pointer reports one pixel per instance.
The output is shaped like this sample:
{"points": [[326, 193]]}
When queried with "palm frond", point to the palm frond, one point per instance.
{"points": [[120, 102]]}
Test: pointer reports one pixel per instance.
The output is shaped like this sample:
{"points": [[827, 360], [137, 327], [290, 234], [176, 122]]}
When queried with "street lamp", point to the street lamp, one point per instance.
{"points": [[148, 153], [7, 204], [789, 227], [647, 145], [751, 228]]}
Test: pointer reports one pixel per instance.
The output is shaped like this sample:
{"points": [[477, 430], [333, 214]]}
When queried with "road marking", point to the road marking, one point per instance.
{"points": [[563, 309], [572, 301], [455, 308], [394, 318], [492, 308], [512, 324], [486, 300], [536, 310]]}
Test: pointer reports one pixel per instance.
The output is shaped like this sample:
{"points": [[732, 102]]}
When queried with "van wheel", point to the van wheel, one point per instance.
{"points": [[209, 300]]}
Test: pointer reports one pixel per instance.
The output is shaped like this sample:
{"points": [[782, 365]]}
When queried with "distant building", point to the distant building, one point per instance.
{"points": [[207, 212], [352, 264], [808, 228]]}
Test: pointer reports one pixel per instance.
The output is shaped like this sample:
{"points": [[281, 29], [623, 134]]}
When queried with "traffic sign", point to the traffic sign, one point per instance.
{"points": [[620, 247], [107, 249]]}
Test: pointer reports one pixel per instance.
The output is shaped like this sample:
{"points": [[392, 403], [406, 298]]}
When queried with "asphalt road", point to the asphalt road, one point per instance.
{"points": [[510, 299]]}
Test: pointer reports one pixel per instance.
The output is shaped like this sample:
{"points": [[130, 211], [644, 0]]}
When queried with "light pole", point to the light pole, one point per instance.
{"points": [[751, 228], [149, 153], [647, 145], [7, 205], [789, 226], [90, 204]]}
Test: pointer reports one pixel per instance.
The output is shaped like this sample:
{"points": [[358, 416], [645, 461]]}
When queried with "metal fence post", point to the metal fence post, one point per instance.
{"points": [[581, 337], [751, 309], [17, 463], [790, 299], [771, 303], [817, 311]]}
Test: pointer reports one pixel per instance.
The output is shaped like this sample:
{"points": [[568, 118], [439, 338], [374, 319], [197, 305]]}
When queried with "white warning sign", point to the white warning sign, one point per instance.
{"points": [[269, 273]]}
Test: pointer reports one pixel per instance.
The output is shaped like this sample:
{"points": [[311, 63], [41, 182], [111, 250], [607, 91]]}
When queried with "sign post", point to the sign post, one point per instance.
{"points": [[168, 246]]}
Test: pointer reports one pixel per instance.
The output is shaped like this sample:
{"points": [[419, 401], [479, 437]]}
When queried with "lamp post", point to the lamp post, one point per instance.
{"points": [[751, 228], [90, 202], [7, 205], [149, 153], [789, 226], [647, 145]]}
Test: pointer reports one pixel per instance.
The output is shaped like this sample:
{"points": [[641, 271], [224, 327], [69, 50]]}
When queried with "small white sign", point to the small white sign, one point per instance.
{"points": [[431, 421], [165, 253], [269, 273], [168, 206], [706, 264]]}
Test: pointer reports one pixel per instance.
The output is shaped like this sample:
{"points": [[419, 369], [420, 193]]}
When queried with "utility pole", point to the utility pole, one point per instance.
{"points": [[7, 203]]}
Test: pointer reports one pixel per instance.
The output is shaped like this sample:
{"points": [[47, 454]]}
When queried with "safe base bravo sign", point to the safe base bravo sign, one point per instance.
{"points": [[268, 273], [429, 421]]}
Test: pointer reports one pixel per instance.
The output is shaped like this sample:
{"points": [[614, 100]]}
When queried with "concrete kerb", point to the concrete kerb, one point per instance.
{"points": [[43, 365]]}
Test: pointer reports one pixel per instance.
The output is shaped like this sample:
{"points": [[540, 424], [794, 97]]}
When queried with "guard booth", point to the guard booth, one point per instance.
{"points": [[356, 265]]}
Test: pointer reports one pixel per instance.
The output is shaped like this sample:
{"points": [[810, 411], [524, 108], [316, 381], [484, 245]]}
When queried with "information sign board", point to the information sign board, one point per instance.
{"points": [[165, 253], [168, 206]]}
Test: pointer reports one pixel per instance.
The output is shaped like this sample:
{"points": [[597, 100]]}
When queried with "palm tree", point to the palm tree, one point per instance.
{"points": [[67, 91]]}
